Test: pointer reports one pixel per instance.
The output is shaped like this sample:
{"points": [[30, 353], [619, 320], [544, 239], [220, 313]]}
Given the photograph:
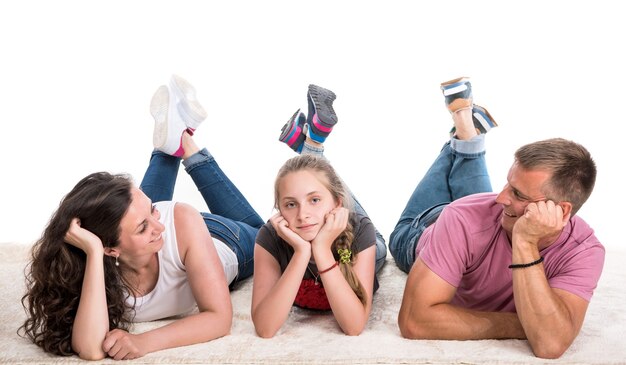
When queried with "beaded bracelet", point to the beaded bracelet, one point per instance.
{"points": [[330, 268], [521, 266]]}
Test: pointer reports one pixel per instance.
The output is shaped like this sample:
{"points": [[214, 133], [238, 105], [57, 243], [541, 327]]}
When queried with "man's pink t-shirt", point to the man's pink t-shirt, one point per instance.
{"points": [[468, 248]]}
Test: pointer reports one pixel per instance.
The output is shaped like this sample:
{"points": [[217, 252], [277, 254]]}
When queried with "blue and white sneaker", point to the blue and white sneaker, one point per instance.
{"points": [[457, 94], [483, 121]]}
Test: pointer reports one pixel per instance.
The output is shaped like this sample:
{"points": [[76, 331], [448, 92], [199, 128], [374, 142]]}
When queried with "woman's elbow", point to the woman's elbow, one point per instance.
{"points": [[88, 351], [226, 322], [91, 355], [219, 321]]}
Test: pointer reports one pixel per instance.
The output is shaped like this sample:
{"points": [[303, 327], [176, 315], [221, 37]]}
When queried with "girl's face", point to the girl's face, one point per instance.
{"points": [[140, 228], [304, 200]]}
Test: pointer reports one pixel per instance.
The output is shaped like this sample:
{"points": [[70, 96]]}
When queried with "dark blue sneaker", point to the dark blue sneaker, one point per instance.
{"points": [[292, 132], [322, 117]]}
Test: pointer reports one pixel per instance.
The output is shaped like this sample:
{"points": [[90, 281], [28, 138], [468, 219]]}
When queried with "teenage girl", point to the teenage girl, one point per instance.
{"points": [[320, 251]]}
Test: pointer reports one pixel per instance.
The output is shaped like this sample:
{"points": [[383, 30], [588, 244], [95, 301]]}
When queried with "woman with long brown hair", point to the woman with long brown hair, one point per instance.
{"points": [[114, 254]]}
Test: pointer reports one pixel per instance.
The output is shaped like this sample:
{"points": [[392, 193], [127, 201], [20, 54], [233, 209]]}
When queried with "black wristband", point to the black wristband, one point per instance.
{"points": [[521, 266]]}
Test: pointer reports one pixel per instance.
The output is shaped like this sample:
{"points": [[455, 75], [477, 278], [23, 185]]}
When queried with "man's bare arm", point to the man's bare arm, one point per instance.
{"points": [[426, 313], [551, 318]]}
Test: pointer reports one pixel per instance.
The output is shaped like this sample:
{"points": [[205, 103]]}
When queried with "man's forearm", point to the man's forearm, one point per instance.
{"points": [[448, 322], [551, 318], [426, 312], [546, 319]]}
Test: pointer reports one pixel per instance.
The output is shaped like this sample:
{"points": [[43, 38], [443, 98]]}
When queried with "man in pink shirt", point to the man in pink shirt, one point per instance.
{"points": [[518, 264]]}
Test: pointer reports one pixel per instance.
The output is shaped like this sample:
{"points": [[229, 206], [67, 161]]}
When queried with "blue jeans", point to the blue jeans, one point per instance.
{"points": [[381, 246], [232, 219], [459, 170]]}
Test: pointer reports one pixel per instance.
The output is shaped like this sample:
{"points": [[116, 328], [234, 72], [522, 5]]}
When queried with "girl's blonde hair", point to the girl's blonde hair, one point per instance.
{"points": [[339, 192]]}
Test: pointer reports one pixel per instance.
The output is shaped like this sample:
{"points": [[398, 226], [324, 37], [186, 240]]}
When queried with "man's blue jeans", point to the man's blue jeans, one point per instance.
{"points": [[459, 170]]}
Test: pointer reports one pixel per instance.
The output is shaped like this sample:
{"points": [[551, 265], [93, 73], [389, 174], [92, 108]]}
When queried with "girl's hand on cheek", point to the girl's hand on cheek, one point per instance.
{"points": [[335, 222], [281, 226]]}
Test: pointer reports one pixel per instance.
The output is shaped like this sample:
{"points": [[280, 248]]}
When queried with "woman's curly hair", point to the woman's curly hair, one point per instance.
{"points": [[54, 275]]}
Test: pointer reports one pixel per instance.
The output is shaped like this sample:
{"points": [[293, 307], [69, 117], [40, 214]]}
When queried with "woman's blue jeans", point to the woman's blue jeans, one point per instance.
{"points": [[232, 219], [459, 170]]}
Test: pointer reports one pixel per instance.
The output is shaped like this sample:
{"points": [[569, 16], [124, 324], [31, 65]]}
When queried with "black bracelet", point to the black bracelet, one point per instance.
{"points": [[521, 266]]}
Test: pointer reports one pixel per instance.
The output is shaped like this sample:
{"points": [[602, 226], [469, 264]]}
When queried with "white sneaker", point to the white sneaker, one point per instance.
{"points": [[188, 107], [168, 125]]}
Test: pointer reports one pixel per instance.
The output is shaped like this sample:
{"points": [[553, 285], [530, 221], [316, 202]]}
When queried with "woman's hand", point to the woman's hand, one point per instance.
{"points": [[281, 226], [82, 238], [121, 345], [335, 222]]}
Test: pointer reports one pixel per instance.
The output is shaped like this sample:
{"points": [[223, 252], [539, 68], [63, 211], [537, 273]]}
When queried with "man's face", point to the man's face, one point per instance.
{"points": [[523, 187]]}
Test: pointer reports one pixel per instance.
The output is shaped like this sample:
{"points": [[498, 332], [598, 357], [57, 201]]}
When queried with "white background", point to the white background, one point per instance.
{"points": [[76, 79]]}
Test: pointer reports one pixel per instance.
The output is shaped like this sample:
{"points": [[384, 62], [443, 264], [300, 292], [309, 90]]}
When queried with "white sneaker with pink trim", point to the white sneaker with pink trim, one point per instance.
{"points": [[168, 125], [185, 100]]}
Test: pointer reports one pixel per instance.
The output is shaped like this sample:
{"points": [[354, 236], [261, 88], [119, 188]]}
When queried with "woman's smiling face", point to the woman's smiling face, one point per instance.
{"points": [[140, 229]]}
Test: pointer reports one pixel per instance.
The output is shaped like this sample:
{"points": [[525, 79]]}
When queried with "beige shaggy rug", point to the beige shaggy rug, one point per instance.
{"points": [[312, 338]]}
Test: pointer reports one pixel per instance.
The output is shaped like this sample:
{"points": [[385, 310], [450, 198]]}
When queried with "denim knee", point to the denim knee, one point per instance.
{"points": [[404, 238], [402, 246]]}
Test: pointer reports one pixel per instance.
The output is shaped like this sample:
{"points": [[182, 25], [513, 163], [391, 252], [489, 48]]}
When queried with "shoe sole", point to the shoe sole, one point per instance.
{"points": [[482, 119], [187, 93], [159, 108], [325, 113]]}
